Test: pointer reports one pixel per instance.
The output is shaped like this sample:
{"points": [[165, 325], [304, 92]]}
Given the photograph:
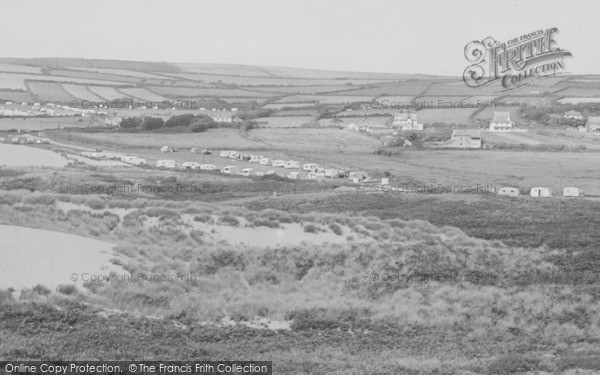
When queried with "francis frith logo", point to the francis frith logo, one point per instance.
{"points": [[516, 62]]}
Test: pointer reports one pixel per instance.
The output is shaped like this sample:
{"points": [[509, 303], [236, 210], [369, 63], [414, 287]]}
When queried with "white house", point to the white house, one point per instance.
{"points": [[509, 191], [540, 192], [572, 192], [501, 122], [407, 121], [168, 164]]}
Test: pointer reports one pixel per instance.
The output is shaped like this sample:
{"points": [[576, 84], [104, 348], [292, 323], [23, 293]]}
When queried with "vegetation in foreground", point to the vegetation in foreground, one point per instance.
{"points": [[423, 298]]}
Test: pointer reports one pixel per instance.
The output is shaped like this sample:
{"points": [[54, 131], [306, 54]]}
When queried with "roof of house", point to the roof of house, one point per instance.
{"points": [[472, 133], [404, 116]]}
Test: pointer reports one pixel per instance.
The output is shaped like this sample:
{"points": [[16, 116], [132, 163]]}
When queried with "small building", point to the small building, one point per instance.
{"points": [[358, 176], [572, 192], [465, 138], [575, 115], [509, 192], [593, 124], [113, 121], [166, 149], [168, 164], [190, 165], [229, 169], [540, 192], [501, 122], [407, 121], [352, 126]]}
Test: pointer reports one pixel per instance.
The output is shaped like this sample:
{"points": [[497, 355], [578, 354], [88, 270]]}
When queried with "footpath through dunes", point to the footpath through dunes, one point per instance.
{"points": [[34, 256]]}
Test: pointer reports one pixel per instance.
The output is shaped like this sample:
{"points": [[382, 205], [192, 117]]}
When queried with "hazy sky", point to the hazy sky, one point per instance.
{"points": [[381, 36]]}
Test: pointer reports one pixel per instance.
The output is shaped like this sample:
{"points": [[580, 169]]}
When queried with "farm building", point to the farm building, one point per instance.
{"points": [[166, 149], [501, 122], [540, 192], [229, 169], [508, 191], [465, 138], [169, 164], [593, 124], [406, 121], [190, 165], [572, 192], [573, 115]]}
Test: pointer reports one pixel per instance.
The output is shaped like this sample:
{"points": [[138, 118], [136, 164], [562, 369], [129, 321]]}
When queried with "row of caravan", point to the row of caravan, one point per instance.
{"points": [[262, 160], [541, 192]]}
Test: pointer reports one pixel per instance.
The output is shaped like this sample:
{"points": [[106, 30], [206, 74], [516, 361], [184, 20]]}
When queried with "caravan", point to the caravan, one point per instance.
{"points": [[229, 169], [168, 164], [540, 192]]}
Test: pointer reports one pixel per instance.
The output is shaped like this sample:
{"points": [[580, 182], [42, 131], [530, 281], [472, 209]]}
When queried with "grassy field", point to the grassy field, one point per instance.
{"points": [[49, 92], [445, 115], [284, 121], [81, 92]]}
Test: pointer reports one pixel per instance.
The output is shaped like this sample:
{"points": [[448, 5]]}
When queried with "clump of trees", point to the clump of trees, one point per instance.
{"points": [[176, 124]]}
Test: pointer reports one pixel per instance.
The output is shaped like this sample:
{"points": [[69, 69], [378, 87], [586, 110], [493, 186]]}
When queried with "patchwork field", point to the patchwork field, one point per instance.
{"points": [[447, 116], [580, 100], [107, 93], [284, 121], [12, 68], [191, 92], [325, 99], [143, 94], [372, 122], [81, 92], [15, 96], [49, 92]]}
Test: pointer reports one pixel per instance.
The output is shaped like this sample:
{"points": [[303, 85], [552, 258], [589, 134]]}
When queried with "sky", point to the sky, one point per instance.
{"points": [[423, 36]]}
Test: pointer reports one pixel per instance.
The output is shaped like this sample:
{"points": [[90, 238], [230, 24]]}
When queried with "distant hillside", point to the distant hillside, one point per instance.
{"points": [[59, 62]]}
